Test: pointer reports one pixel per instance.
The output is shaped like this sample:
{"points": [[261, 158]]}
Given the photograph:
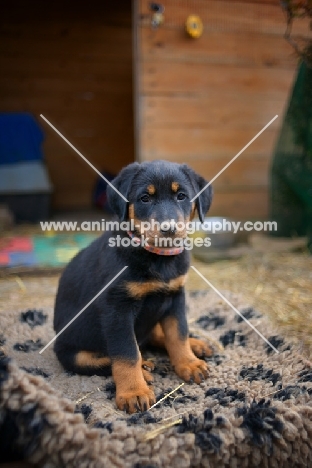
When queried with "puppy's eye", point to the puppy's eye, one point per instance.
{"points": [[145, 198], [181, 196]]}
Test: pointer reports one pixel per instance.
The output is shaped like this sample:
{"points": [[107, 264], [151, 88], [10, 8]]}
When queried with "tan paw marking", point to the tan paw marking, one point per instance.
{"points": [[139, 399], [195, 370], [200, 348]]}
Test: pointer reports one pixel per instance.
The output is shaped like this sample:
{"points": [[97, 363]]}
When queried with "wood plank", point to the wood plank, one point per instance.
{"points": [[246, 170], [241, 206], [161, 78], [246, 173], [77, 183], [66, 99], [47, 53], [79, 85], [95, 74], [225, 15], [40, 40], [104, 154], [89, 125], [66, 12], [261, 2], [83, 113], [69, 199], [176, 144], [218, 47], [222, 109], [244, 205], [103, 34]]}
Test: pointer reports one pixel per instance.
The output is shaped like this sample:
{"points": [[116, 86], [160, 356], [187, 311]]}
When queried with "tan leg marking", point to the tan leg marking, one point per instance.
{"points": [[147, 368], [148, 365], [199, 347], [132, 392], [184, 361], [91, 359], [157, 336]]}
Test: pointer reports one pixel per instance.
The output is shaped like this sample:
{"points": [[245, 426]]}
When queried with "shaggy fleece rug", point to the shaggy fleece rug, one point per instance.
{"points": [[254, 410]]}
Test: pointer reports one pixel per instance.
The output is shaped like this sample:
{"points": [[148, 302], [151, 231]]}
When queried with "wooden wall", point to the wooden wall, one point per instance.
{"points": [[201, 101], [72, 62]]}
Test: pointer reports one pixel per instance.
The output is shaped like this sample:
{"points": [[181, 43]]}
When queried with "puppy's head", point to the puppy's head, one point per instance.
{"points": [[159, 193]]}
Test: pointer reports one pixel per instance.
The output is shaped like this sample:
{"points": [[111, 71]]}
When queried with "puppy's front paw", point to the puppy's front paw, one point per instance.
{"points": [[200, 348], [194, 370], [139, 399]]}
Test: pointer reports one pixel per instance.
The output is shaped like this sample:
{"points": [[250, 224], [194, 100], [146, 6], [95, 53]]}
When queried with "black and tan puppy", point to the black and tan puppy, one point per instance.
{"points": [[146, 303]]}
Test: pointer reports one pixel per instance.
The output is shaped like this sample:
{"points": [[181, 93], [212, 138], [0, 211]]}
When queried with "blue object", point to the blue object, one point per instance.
{"points": [[22, 258], [23, 178], [20, 138]]}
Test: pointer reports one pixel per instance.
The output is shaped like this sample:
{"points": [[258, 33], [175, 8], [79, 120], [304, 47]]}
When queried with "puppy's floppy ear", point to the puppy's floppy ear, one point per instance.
{"points": [[203, 201], [123, 184]]}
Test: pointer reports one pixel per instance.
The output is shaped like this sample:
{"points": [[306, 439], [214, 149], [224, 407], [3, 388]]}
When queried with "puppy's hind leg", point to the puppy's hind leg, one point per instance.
{"points": [[157, 337], [85, 362]]}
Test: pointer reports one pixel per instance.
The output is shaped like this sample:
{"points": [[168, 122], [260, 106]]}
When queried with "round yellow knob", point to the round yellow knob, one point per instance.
{"points": [[194, 26]]}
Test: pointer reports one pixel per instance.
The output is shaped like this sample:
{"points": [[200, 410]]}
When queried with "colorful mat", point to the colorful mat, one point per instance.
{"points": [[53, 250]]}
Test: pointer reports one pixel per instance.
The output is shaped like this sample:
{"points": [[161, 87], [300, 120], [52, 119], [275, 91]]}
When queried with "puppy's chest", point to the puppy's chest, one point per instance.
{"points": [[143, 288], [151, 311]]}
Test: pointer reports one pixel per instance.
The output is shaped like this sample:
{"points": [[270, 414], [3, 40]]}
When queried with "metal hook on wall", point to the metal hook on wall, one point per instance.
{"points": [[158, 14]]}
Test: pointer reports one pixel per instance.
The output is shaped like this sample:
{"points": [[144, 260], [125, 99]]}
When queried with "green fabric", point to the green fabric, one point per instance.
{"points": [[59, 249], [291, 172]]}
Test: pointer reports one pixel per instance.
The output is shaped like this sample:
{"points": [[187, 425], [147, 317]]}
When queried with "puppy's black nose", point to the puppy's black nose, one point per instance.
{"points": [[168, 228]]}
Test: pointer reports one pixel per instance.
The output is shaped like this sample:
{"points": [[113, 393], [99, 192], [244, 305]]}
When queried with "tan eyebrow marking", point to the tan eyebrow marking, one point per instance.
{"points": [[151, 189], [175, 186]]}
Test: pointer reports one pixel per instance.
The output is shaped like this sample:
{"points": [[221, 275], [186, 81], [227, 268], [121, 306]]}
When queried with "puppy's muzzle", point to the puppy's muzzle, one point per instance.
{"points": [[168, 228]]}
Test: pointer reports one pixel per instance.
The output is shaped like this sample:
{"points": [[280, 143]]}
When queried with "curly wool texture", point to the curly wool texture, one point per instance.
{"points": [[254, 410]]}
